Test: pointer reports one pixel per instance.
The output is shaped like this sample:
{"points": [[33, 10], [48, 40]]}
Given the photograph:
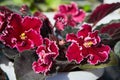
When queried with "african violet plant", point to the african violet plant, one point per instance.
{"points": [[36, 46]]}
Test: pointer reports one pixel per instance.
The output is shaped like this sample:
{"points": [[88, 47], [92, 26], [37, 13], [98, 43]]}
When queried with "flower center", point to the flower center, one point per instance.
{"points": [[23, 36], [88, 44]]}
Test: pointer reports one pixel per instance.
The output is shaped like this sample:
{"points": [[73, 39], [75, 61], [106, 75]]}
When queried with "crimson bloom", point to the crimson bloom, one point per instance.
{"points": [[86, 44], [22, 33], [68, 15], [47, 54]]}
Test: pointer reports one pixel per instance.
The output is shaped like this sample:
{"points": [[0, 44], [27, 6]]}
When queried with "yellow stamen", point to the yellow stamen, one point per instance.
{"points": [[23, 36], [88, 44]]}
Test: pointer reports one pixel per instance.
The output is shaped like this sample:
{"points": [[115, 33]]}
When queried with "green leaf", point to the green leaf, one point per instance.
{"points": [[69, 29], [87, 7], [6, 2], [23, 66], [53, 3], [113, 61], [105, 36], [117, 49]]}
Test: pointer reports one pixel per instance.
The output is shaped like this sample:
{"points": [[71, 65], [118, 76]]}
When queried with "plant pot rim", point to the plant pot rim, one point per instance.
{"points": [[78, 75]]}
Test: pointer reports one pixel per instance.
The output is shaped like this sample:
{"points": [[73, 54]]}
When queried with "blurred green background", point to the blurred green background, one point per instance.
{"points": [[49, 5]]}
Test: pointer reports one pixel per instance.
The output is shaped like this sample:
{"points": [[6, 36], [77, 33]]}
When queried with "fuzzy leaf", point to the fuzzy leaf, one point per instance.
{"points": [[117, 49], [105, 36], [1, 46], [110, 28], [69, 30], [113, 30], [113, 61], [10, 53], [23, 66], [102, 11]]}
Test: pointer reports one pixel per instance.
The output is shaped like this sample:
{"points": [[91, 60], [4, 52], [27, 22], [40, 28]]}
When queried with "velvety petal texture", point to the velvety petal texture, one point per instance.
{"points": [[86, 44], [22, 33], [40, 67], [72, 13], [74, 53], [84, 31], [98, 54], [34, 23], [47, 53], [61, 21], [5, 13]]}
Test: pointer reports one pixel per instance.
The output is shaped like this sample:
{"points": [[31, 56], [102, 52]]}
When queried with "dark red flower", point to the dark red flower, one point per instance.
{"points": [[24, 9], [68, 15], [22, 33], [47, 53], [50, 46], [40, 66], [61, 21], [74, 53], [5, 13], [86, 44]]}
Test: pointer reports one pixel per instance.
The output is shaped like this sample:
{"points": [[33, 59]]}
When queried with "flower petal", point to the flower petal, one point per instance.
{"points": [[39, 67], [79, 16], [40, 48], [5, 14], [61, 21], [35, 37], [84, 31], [15, 23], [2, 21], [54, 48], [24, 45], [59, 25], [95, 36], [32, 22], [63, 8], [71, 38], [48, 57], [74, 53], [47, 42], [51, 46], [98, 54], [72, 8], [71, 22], [8, 38]]}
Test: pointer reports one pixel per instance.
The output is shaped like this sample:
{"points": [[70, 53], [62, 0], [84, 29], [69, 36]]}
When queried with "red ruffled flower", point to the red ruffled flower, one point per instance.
{"points": [[47, 54], [86, 44], [43, 66], [68, 15], [22, 33]]}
